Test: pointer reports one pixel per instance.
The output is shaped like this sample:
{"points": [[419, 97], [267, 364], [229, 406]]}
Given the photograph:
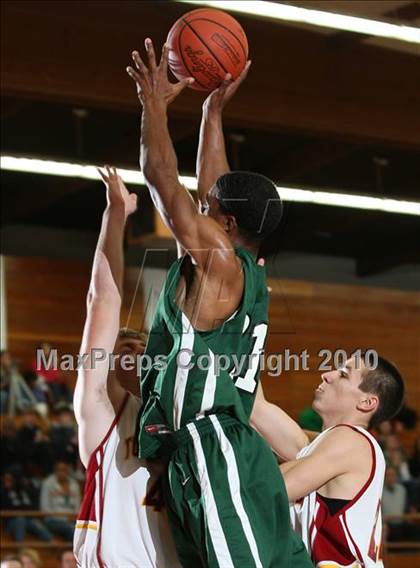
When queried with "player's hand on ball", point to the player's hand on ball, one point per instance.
{"points": [[117, 194], [218, 98], [152, 80]]}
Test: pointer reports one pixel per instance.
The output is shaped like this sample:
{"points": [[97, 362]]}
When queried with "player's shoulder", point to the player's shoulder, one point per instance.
{"points": [[347, 438]]}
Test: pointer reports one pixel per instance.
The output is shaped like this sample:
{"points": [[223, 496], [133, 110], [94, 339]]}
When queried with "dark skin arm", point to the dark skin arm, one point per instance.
{"points": [[211, 268], [194, 232], [211, 156]]}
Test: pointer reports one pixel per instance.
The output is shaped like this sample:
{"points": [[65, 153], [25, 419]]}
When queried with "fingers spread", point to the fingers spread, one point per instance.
{"points": [[103, 175], [139, 62], [163, 64], [134, 75], [150, 53]]}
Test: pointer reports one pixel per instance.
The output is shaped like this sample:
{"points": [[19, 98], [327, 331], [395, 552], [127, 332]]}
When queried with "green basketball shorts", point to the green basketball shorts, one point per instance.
{"points": [[226, 499]]}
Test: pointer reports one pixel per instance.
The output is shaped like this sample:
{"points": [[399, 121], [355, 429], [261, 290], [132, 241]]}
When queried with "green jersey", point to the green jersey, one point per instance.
{"points": [[195, 373]]}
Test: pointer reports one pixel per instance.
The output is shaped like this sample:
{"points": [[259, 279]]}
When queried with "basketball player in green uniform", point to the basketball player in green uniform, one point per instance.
{"points": [[226, 499]]}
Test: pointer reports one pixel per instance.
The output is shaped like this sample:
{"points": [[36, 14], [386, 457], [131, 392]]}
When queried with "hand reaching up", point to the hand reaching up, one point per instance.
{"points": [[217, 99], [116, 192], [153, 85]]}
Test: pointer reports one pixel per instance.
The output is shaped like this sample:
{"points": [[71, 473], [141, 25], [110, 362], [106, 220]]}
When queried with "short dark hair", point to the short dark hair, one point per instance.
{"points": [[254, 202], [387, 383]]}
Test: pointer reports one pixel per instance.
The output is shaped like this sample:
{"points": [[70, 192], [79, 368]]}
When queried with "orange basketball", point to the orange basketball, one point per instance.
{"points": [[206, 44]]}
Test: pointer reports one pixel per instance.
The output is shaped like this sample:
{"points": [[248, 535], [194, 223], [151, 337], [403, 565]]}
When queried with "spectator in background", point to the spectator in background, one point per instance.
{"points": [[14, 391], [10, 453], [11, 562], [383, 430], [67, 560], [394, 502], [392, 442], [16, 495], [414, 461], [53, 377], [395, 456], [40, 391], [60, 494], [34, 445], [397, 460], [407, 419], [63, 437], [5, 374], [29, 558], [79, 472]]}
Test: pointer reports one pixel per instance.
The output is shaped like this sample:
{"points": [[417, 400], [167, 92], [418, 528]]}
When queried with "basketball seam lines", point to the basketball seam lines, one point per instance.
{"points": [[183, 60], [205, 45], [227, 29]]}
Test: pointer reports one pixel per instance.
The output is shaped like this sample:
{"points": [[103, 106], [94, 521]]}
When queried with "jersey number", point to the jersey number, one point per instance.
{"points": [[248, 382]]}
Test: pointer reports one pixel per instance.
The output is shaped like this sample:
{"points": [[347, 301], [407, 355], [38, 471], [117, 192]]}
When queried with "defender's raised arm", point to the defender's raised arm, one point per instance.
{"points": [[97, 393]]}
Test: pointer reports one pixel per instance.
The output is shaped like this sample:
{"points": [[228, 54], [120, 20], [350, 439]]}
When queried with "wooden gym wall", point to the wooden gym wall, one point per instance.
{"points": [[46, 301]]}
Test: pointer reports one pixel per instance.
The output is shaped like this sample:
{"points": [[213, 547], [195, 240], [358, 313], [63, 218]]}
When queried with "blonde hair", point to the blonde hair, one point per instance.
{"points": [[133, 333], [32, 554]]}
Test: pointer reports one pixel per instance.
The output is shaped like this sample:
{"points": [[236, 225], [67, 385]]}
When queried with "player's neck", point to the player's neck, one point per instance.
{"points": [[238, 241], [331, 421]]}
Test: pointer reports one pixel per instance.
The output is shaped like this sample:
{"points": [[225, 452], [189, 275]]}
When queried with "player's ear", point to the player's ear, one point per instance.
{"points": [[229, 223], [368, 403]]}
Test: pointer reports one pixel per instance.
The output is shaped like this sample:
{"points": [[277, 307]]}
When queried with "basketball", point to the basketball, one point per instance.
{"points": [[206, 44]]}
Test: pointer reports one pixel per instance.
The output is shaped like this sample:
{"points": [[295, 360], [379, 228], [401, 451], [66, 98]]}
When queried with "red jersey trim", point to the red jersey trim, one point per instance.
{"points": [[96, 466], [113, 424], [101, 509], [100, 449], [93, 465]]}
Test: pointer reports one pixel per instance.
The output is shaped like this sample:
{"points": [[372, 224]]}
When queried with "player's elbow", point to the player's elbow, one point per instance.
{"points": [[103, 296], [296, 441], [301, 441], [298, 485]]}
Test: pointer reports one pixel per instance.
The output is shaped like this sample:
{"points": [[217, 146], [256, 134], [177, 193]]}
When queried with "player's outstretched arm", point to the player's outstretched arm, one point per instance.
{"points": [[157, 155], [332, 457], [97, 393], [211, 156], [282, 433], [194, 232]]}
